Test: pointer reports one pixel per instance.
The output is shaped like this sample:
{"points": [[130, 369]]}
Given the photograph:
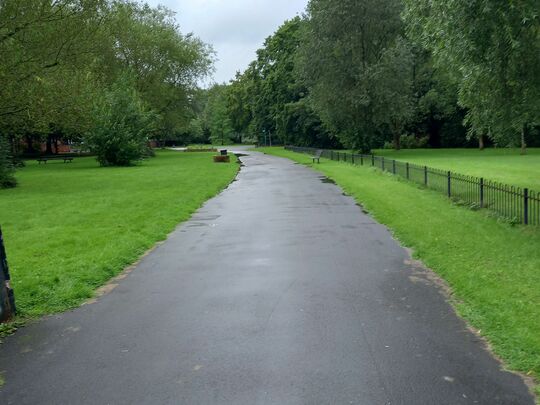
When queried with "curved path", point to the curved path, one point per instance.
{"points": [[278, 291]]}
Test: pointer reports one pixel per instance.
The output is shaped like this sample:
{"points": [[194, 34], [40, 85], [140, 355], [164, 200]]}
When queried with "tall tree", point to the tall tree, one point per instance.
{"points": [[492, 50], [270, 100], [344, 47], [216, 116], [57, 56], [167, 64]]}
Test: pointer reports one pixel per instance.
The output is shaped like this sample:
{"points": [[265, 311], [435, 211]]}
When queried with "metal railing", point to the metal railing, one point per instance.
{"points": [[516, 204]]}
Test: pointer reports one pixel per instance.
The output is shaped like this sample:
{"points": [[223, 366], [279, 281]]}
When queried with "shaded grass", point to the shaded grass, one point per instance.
{"points": [[493, 268], [69, 228], [503, 164]]}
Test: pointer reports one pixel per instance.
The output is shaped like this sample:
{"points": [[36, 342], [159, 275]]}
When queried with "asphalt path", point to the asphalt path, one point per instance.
{"points": [[278, 291]]}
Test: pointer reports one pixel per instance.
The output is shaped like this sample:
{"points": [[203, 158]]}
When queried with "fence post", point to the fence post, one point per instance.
{"points": [[481, 192], [331, 155], [352, 158], [337, 153], [425, 175], [394, 166], [407, 169], [372, 160], [449, 184], [383, 164], [526, 206]]}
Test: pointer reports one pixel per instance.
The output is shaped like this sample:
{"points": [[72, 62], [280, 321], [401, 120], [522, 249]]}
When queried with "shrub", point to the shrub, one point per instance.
{"points": [[409, 142], [122, 125]]}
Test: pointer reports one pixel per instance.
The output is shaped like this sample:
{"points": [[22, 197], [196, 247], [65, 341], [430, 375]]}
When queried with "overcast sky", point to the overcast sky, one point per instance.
{"points": [[235, 28]]}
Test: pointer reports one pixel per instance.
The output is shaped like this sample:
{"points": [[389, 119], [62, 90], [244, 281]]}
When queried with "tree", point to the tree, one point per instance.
{"points": [[437, 114], [166, 64], [216, 115], [492, 50], [122, 127], [345, 47], [269, 99], [392, 91], [57, 57]]}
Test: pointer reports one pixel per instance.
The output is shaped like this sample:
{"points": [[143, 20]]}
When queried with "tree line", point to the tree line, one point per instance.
{"points": [[363, 74], [106, 75], [109, 75]]}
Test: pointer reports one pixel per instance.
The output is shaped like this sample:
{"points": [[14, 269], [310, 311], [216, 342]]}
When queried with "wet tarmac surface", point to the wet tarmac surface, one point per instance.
{"points": [[278, 291]]}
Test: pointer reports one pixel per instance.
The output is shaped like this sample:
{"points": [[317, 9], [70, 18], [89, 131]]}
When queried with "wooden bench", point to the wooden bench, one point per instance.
{"points": [[317, 156], [44, 159]]}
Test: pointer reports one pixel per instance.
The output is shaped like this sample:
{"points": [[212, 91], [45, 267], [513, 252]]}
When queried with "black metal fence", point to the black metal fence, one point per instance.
{"points": [[7, 299], [519, 205]]}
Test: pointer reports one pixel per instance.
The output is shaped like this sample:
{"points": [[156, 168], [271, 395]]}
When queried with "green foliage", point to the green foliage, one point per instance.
{"points": [[345, 74], [408, 142], [167, 64], [492, 51], [280, 96], [70, 228], [120, 134], [268, 101], [392, 100], [57, 57], [216, 117], [347, 57]]}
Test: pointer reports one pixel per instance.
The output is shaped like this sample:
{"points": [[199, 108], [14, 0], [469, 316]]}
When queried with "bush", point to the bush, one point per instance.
{"points": [[7, 170], [122, 125], [409, 142]]}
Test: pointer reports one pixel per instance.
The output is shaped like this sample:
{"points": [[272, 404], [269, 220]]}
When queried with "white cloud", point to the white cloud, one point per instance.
{"points": [[235, 28]]}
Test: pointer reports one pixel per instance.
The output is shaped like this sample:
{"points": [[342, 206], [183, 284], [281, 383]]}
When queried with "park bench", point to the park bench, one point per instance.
{"points": [[317, 156], [44, 159]]}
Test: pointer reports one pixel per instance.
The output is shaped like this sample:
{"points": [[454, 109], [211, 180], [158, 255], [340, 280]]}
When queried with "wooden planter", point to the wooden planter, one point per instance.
{"points": [[222, 159]]}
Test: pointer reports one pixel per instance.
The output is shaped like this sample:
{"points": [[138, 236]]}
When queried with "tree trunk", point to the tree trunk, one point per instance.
{"points": [[523, 144], [397, 141], [48, 150], [30, 145], [481, 145], [13, 145]]}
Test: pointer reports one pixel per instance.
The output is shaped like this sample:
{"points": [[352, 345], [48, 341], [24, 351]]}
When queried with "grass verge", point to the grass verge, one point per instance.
{"points": [[504, 165], [491, 266], [69, 228]]}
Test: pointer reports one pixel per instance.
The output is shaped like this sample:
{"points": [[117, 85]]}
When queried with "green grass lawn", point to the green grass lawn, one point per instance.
{"points": [[492, 267], [503, 165], [71, 227]]}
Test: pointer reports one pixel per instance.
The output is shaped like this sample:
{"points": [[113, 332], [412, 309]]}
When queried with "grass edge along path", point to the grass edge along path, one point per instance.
{"points": [[69, 229], [504, 165], [491, 266]]}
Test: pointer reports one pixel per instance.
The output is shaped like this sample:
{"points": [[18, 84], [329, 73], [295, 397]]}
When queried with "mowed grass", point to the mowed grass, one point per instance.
{"points": [[503, 164], [69, 228], [492, 267]]}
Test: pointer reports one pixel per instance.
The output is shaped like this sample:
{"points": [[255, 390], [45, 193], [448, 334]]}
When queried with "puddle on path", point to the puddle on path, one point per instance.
{"points": [[327, 180], [363, 209]]}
